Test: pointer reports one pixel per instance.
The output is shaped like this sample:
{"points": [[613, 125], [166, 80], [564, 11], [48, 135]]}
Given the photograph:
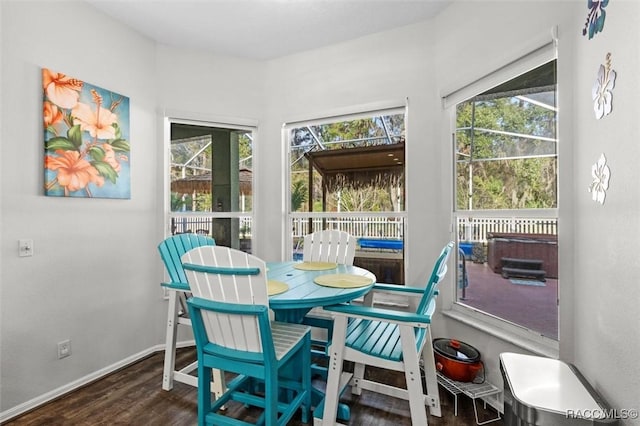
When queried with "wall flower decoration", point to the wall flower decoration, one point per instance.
{"points": [[600, 173], [595, 18], [602, 91], [86, 135]]}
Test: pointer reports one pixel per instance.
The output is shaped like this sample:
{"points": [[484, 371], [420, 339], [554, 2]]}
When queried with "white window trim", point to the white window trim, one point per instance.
{"points": [[512, 333], [191, 118], [537, 53], [339, 114], [348, 113]]}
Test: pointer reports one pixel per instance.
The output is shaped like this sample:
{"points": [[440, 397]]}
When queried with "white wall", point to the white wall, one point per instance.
{"points": [[95, 274], [419, 62], [598, 258], [198, 84], [91, 278], [1, 139], [209, 89], [606, 339], [350, 77], [487, 36]]}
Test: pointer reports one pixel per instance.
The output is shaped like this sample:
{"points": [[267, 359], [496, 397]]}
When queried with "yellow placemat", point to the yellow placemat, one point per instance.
{"points": [[276, 287], [342, 280], [315, 266]]}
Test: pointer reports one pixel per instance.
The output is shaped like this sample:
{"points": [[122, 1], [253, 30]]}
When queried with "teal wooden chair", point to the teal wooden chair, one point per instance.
{"points": [[389, 339], [230, 318], [171, 251]]}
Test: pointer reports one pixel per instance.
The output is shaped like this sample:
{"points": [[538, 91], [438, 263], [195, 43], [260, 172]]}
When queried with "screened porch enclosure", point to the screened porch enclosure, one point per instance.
{"points": [[348, 174], [506, 196], [380, 238], [211, 182]]}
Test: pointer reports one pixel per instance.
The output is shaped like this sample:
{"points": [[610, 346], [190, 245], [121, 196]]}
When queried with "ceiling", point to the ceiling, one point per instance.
{"points": [[264, 29]]}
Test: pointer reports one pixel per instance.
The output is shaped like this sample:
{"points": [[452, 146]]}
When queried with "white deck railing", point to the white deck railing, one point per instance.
{"points": [[476, 229], [202, 224], [360, 227], [469, 229]]}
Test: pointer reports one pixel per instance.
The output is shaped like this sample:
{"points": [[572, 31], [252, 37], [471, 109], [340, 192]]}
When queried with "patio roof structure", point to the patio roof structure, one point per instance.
{"points": [[377, 166], [203, 183]]}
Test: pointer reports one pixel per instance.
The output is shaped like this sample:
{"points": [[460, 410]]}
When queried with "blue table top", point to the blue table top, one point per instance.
{"points": [[304, 293]]}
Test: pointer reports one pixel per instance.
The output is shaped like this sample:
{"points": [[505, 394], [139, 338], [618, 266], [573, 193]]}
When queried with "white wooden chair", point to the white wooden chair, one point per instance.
{"points": [[388, 339], [171, 251], [330, 245], [230, 317]]}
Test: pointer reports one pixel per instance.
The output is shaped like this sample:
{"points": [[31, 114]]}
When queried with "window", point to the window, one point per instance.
{"points": [[506, 169], [211, 182], [348, 173]]}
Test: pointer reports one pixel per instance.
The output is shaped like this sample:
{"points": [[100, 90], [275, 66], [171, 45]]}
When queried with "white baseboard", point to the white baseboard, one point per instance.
{"points": [[62, 390]]}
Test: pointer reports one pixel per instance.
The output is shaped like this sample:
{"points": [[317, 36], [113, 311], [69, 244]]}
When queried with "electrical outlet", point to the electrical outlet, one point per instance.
{"points": [[64, 349]]}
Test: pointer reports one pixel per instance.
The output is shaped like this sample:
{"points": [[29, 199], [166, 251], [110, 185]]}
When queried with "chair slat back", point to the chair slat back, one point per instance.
{"points": [[172, 249], [233, 277], [330, 245], [437, 275]]}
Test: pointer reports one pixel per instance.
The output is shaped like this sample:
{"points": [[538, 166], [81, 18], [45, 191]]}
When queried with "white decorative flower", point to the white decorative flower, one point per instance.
{"points": [[601, 174], [602, 89]]}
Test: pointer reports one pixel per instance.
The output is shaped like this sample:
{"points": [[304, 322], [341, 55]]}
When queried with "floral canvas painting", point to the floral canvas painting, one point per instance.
{"points": [[86, 136]]}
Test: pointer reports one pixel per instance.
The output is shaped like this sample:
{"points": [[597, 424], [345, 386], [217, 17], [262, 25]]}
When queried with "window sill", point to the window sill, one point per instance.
{"points": [[520, 337]]}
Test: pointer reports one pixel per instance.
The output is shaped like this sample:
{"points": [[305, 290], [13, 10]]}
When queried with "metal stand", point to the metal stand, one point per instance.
{"points": [[472, 390]]}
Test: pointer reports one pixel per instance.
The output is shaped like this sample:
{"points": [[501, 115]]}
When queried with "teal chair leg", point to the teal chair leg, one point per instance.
{"points": [[271, 397], [306, 380], [204, 393]]}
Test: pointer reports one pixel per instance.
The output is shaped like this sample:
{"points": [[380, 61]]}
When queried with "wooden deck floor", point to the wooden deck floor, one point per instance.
{"points": [[535, 307]]}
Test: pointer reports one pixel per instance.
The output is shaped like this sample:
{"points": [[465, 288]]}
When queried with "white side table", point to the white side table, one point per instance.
{"points": [[472, 390]]}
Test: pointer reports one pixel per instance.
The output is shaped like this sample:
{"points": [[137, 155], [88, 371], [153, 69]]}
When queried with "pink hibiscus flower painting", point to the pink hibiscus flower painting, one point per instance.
{"points": [[86, 139]]}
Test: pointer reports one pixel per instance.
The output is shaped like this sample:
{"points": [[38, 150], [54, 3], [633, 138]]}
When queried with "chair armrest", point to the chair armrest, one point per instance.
{"points": [[395, 288], [176, 286], [392, 289], [387, 315], [228, 308], [221, 270]]}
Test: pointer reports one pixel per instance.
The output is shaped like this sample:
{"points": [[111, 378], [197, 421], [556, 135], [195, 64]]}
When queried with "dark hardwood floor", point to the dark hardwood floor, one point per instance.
{"points": [[134, 396]]}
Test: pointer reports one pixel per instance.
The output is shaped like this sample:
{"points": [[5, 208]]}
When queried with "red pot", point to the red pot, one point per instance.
{"points": [[457, 360]]}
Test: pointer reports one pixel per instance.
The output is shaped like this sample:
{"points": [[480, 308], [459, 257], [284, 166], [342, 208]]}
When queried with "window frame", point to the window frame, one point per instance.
{"points": [[544, 50], [177, 117], [357, 112]]}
